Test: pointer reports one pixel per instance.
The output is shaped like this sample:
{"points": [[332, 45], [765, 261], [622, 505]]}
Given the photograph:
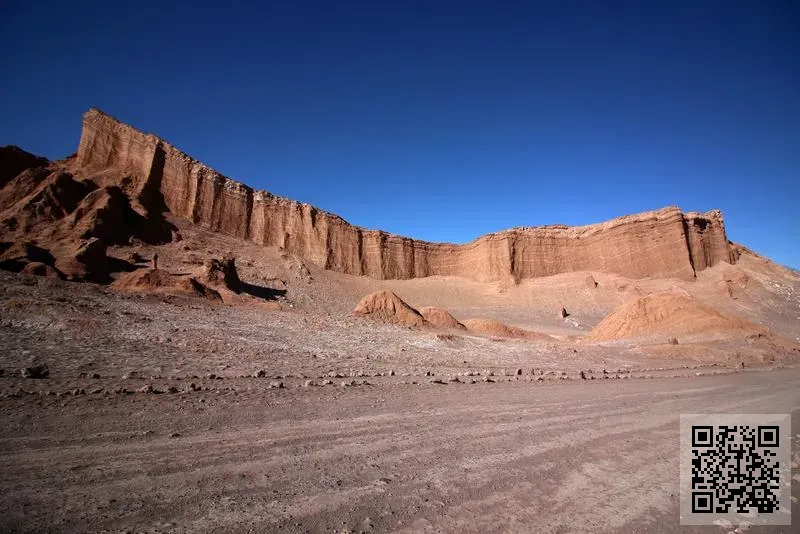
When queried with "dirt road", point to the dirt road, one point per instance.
{"points": [[518, 457]]}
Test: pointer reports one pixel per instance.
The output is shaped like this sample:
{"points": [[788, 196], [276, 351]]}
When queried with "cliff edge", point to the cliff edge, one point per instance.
{"points": [[662, 243]]}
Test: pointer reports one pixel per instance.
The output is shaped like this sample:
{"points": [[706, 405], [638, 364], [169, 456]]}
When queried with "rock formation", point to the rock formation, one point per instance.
{"points": [[668, 313], [440, 318], [159, 281], [663, 243], [122, 181], [221, 273], [387, 307]]}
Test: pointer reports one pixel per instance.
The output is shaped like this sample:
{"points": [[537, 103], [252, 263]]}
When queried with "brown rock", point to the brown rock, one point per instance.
{"points": [[440, 318], [387, 307], [221, 273], [14, 160], [35, 371], [40, 269], [687, 242]]}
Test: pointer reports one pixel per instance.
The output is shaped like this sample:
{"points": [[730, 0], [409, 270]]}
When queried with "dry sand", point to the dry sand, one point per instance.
{"points": [[178, 414]]}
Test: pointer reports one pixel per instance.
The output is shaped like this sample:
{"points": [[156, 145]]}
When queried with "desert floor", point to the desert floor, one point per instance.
{"points": [[164, 414]]}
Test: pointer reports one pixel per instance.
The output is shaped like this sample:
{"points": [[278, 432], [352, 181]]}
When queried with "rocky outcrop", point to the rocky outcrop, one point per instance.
{"points": [[670, 313], [440, 318], [387, 307], [14, 160], [663, 243], [222, 272]]}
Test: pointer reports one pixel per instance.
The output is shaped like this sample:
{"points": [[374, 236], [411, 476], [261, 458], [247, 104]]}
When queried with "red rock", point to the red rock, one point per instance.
{"points": [[686, 243]]}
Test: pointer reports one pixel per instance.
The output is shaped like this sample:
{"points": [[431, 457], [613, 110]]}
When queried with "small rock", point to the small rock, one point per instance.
{"points": [[487, 379], [519, 372], [437, 381], [35, 371], [260, 374], [276, 385], [146, 389], [175, 435], [309, 383]]}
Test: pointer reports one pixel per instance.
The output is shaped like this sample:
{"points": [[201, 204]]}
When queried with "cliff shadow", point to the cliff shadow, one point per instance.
{"points": [[154, 229], [262, 292]]}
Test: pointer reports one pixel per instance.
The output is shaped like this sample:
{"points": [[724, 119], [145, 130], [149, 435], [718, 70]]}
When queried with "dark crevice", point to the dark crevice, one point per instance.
{"points": [[688, 244]]}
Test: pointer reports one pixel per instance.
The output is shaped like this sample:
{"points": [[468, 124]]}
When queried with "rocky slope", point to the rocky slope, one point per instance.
{"points": [[116, 160]]}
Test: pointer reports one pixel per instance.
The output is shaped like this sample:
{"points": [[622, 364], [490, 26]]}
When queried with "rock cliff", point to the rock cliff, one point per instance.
{"points": [[663, 243]]}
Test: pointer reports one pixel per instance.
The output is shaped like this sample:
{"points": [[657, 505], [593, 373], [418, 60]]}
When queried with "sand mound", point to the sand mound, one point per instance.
{"points": [[387, 307], [666, 313], [440, 318], [493, 328]]}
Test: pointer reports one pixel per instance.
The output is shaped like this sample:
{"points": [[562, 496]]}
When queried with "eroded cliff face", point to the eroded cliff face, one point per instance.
{"points": [[663, 243]]}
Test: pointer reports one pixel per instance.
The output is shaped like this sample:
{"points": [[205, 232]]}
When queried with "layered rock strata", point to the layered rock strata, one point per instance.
{"points": [[662, 243]]}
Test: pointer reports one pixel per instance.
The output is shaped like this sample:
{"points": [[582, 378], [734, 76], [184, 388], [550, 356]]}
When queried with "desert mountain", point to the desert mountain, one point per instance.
{"points": [[123, 182]]}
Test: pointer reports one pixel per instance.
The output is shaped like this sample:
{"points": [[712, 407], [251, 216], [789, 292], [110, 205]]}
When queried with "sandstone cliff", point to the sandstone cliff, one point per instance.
{"points": [[663, 243]]}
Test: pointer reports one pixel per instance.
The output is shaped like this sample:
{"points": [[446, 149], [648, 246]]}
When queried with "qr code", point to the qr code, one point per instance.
{"points": [[735, 468]]}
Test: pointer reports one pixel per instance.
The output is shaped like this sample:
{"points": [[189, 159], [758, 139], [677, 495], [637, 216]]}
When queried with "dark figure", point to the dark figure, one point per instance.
{"points": [[155, 261]]}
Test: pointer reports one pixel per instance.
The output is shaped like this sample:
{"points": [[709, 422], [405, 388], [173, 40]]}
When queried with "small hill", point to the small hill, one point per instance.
{"points": [[496, 329], [440, 318], [668, 313], [387, 307]]}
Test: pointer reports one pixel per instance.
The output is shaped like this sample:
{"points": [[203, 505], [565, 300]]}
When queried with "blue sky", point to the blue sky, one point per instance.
{"points": [[440, 120]]}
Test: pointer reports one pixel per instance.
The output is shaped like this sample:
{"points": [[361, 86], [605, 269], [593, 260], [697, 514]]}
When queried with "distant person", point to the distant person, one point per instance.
{"points": [[155, 261]]}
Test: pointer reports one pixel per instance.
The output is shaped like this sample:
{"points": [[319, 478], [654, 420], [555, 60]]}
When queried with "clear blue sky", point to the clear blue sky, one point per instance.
{"points": [[440, 120]]}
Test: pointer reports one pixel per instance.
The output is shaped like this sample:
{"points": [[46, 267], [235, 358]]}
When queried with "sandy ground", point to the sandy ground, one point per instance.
{"points": [[162, 414], [563, 457]]}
